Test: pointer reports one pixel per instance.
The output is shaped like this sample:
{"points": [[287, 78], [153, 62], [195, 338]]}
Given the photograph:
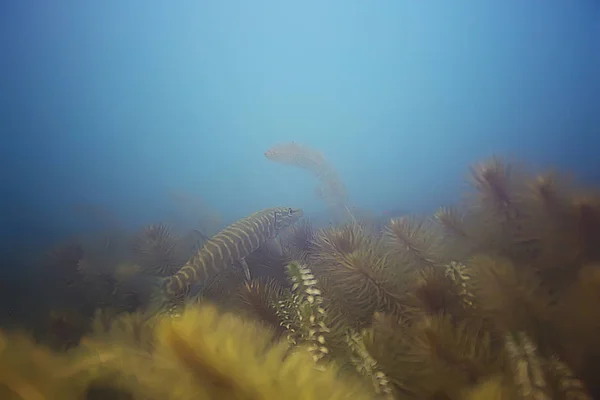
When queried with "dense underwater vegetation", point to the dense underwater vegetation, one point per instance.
{"points": [[281, 200], [493, 298]]}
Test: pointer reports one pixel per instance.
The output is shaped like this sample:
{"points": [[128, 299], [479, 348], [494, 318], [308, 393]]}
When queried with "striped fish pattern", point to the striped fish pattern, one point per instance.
{"points": [[231, 245]]}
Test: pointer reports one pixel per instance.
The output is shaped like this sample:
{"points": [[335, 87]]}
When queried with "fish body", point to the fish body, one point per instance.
{"points": [[230, 246]]}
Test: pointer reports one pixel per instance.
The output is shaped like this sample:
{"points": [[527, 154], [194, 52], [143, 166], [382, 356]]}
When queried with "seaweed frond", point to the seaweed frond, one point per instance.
{"points": [[135, 329], [311, 314], [434, 356], [457, 236], [259, 298], [550, 228], [414, 242], [564, 381], [527, 368], [287, 313], [366, 365], [496, 207], [511, 298], [576, 320], [298, 240], [29, 371], [155, 250], [437, 290], [496, 183], [331, 188], [459, 275], [219, 356], [365, 280]]}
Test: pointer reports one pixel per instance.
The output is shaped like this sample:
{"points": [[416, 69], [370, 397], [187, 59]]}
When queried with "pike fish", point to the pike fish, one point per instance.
{"points": [[230, 247]]}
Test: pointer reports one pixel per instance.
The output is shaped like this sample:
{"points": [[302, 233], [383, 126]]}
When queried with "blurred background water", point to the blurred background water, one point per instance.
{"points": [[120, 113]]}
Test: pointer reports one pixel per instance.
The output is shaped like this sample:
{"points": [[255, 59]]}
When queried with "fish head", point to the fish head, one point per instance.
{"points": [[269, 153], [287, 216]]}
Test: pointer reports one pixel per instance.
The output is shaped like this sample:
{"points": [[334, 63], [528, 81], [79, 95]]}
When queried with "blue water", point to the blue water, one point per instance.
{"points": [[109, 109]]}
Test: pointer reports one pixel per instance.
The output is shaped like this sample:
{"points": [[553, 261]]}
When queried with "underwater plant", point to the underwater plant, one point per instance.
{"points": [[155, 250], [331, 188], [363, 280], [496, 297], [202, 354]]}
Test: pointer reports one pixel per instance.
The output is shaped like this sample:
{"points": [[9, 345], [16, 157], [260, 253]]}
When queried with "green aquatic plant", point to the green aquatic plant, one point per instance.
{"points": [[457, 239], [366, 365], [511, 298], [365, 281], [30, 371], [436, 290], [260, 299], [201, 354], [155, 250], [433, 356], [494, 298], [210, 355], [414, 242], [331, 189], [298, 241], [310, 312]]}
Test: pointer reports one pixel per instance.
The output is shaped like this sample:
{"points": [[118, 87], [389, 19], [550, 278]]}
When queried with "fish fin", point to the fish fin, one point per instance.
{"points": [[202, 235], [152, 293], [244, 265], [158, 304], [202, 239], [274, 246], [198, 290]]}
